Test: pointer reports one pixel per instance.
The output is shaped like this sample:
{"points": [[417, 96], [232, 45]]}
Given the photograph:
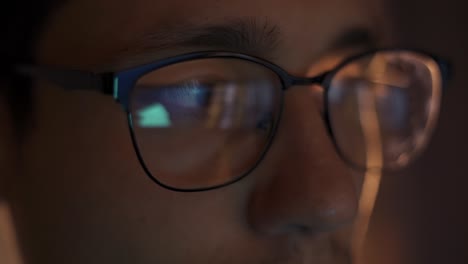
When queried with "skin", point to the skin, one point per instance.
{"points": [[79, 195]]}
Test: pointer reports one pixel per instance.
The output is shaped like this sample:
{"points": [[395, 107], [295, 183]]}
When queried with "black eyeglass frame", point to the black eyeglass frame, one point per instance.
{"points": [[120, 85]]}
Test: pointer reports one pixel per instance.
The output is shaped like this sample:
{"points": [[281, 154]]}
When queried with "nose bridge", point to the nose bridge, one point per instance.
{"points": [[294, 81], [307, 186]]}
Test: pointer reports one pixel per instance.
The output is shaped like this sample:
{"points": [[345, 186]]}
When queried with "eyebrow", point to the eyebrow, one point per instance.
{"points": [[248, 35], [355, 37]]}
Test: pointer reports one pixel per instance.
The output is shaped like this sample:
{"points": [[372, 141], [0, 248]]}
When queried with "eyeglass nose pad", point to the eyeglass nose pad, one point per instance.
{"points": [[322, 71], [318, 93]]}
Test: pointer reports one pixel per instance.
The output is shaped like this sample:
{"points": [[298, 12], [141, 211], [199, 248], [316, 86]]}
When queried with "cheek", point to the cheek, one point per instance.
{"points": [[78, 165], [79, 134], [82, 187]]}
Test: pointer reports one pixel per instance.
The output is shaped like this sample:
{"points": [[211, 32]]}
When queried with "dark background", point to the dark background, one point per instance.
{"points": [[421, 215]]}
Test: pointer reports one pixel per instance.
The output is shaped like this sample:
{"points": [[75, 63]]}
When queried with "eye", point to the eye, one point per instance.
{"points": [[174, 104], [212, 94], [191, 94]]}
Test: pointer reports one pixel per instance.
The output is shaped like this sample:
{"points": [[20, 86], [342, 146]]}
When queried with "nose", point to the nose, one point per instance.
{"points": [[303, 185]]}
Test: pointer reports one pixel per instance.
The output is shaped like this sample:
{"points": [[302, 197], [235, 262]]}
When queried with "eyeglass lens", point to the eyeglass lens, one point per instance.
{"points": [[382, 107], [204, 122]]}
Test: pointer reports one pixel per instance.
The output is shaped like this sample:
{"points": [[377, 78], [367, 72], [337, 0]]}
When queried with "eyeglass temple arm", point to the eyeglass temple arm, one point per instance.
{"points": [[70, 79]]}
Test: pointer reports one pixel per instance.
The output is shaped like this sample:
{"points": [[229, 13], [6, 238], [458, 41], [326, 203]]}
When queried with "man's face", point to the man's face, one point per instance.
{"points": [[81, 196]]}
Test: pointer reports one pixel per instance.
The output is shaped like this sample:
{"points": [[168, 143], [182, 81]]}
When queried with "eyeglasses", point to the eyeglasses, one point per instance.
{"points": [[204, 120]]}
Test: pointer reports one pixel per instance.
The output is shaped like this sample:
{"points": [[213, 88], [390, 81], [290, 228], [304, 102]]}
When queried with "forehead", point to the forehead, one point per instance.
{"points": [[92, 32]]}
